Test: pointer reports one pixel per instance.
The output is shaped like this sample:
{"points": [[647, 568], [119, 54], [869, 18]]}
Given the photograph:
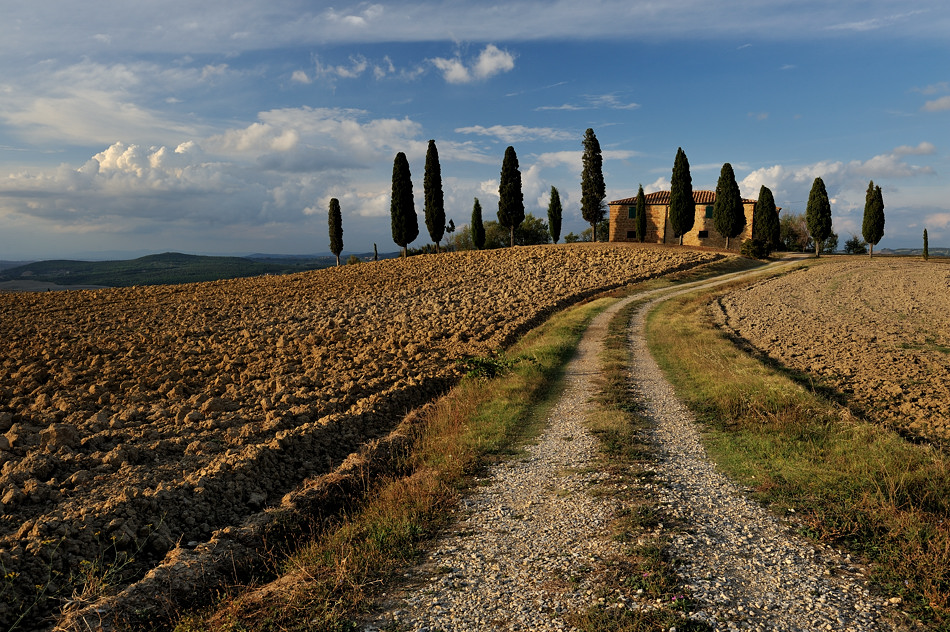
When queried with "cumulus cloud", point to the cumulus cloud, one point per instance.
{"points": [[490, 62], [923, 149], [516, 133], [937, 105]]}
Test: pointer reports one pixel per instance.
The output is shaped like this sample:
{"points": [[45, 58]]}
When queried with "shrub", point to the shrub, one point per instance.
{"points": [[755, 248]]}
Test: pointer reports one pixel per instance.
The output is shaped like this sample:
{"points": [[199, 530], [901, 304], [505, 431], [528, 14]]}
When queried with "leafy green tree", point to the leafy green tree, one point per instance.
{"points": [[336, 229], [571, 238], [818, 214], [402, 210], [533, 231], [593, 189], [510, 196], [603, 228], [926, 246], [641, 215], [554, 214], [435, 205], [765, 222], [830, 243], [497, 236], [682, 207], [855, 246], [353, 260], [794, 232], [478, 228], [872, 228], [728, 213]]}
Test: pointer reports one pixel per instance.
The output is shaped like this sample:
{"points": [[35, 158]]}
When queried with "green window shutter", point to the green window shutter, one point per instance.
{"points": [[631, 212], [709, 211]]}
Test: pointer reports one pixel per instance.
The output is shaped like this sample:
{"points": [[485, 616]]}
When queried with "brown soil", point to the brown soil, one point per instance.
{"points": [[877, 330], [138, 419]]}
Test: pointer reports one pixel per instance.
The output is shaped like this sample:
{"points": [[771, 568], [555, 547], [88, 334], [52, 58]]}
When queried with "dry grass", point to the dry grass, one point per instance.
{"points": [[853, 483]]}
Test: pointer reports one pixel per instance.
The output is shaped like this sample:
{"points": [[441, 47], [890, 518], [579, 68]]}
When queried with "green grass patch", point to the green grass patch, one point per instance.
{"points": [[851, 483], [333, 579]]}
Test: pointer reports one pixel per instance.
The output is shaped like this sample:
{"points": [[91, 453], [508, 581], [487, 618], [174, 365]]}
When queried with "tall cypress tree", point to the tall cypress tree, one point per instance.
{"points": [[682, 206], [872, 228], [593, 189], [765, 224], [402, 209], [818, 214], [926, 246], [554, 214], [478, 228], [641, 215], [510, 196], [432, 186], [728, 213], [336, 229]]}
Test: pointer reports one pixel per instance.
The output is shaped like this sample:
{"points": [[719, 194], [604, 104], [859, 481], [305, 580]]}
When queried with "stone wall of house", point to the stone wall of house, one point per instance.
{"points": [[703, 232]]}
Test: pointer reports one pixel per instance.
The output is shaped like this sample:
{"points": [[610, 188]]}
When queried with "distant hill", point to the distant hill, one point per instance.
{"points": [[167, 268], [915, 252]]}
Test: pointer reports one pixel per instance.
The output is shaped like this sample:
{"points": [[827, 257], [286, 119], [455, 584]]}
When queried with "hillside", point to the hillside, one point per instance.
{"points": [[163, 269], [139, 418]]}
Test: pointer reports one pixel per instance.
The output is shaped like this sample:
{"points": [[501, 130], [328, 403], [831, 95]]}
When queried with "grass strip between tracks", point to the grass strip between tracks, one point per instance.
{"points": [[330, 581], [850, 483]]}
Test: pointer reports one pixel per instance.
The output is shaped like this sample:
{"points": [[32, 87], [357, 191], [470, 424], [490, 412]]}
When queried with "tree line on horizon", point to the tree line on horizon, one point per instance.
{"points": [[812, 229]]}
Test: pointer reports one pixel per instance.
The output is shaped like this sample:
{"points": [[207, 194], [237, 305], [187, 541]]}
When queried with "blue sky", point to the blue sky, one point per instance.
{"points": [[226, 127]]}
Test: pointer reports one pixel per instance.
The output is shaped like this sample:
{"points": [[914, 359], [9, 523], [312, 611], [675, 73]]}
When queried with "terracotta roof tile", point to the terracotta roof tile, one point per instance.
{"points": [[663, 197]]}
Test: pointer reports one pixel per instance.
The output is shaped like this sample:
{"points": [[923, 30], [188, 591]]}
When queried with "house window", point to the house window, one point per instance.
{"points": [[631, 234], [709, 211], [703, 234], [631, 212]]}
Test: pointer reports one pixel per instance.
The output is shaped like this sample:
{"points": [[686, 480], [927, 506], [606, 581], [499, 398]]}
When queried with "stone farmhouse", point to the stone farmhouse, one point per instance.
{"points": [[623, 221]]}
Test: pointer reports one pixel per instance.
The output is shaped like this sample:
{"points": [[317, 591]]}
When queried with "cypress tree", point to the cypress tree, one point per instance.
{"points": [[554, 214], [641, 215], [510, 197], [593, 189], [336, 229], [818, 214], [682, 207], [765, 224], [872, 228], [478, 228], [402, 208], [728, 213], [434, 205], [926, 249]]}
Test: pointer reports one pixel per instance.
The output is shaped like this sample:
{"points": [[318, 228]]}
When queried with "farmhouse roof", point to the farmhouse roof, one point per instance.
{"points": [[663, 197]]}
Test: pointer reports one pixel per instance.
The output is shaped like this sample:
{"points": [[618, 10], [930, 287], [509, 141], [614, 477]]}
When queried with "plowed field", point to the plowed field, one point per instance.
{"points": [[137, 420], [878, 330]]}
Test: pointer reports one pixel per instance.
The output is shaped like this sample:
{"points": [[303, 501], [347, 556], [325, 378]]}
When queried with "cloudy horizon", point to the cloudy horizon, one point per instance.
{"points": [[227, 127]]}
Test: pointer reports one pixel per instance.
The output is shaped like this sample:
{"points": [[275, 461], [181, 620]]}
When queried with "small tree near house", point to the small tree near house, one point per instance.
{"points": [[872, 227], [728, 213], [593, 189], [682, 208], [641, 215]]}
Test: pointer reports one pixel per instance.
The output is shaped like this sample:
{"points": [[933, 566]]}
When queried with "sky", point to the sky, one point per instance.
{"points": [[213, 127]]}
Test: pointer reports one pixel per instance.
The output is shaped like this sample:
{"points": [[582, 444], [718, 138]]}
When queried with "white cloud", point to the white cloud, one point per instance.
{"points": [[937, 105], [300, 76], [611, 101], [923, 149], [491, 61], [935, 88], [516, 133], [875, 23]]}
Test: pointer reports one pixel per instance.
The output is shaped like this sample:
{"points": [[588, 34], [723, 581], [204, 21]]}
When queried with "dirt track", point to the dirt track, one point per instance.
{"points": [[137, 419], [878, 330]]}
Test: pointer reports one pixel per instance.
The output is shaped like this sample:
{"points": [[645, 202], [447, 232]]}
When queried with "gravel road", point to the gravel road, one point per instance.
{"points": [[521, 554]]}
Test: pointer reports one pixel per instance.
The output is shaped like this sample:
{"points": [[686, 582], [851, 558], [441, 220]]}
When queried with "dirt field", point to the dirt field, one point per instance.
{"points": [[878, 330], [138, 419]]}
